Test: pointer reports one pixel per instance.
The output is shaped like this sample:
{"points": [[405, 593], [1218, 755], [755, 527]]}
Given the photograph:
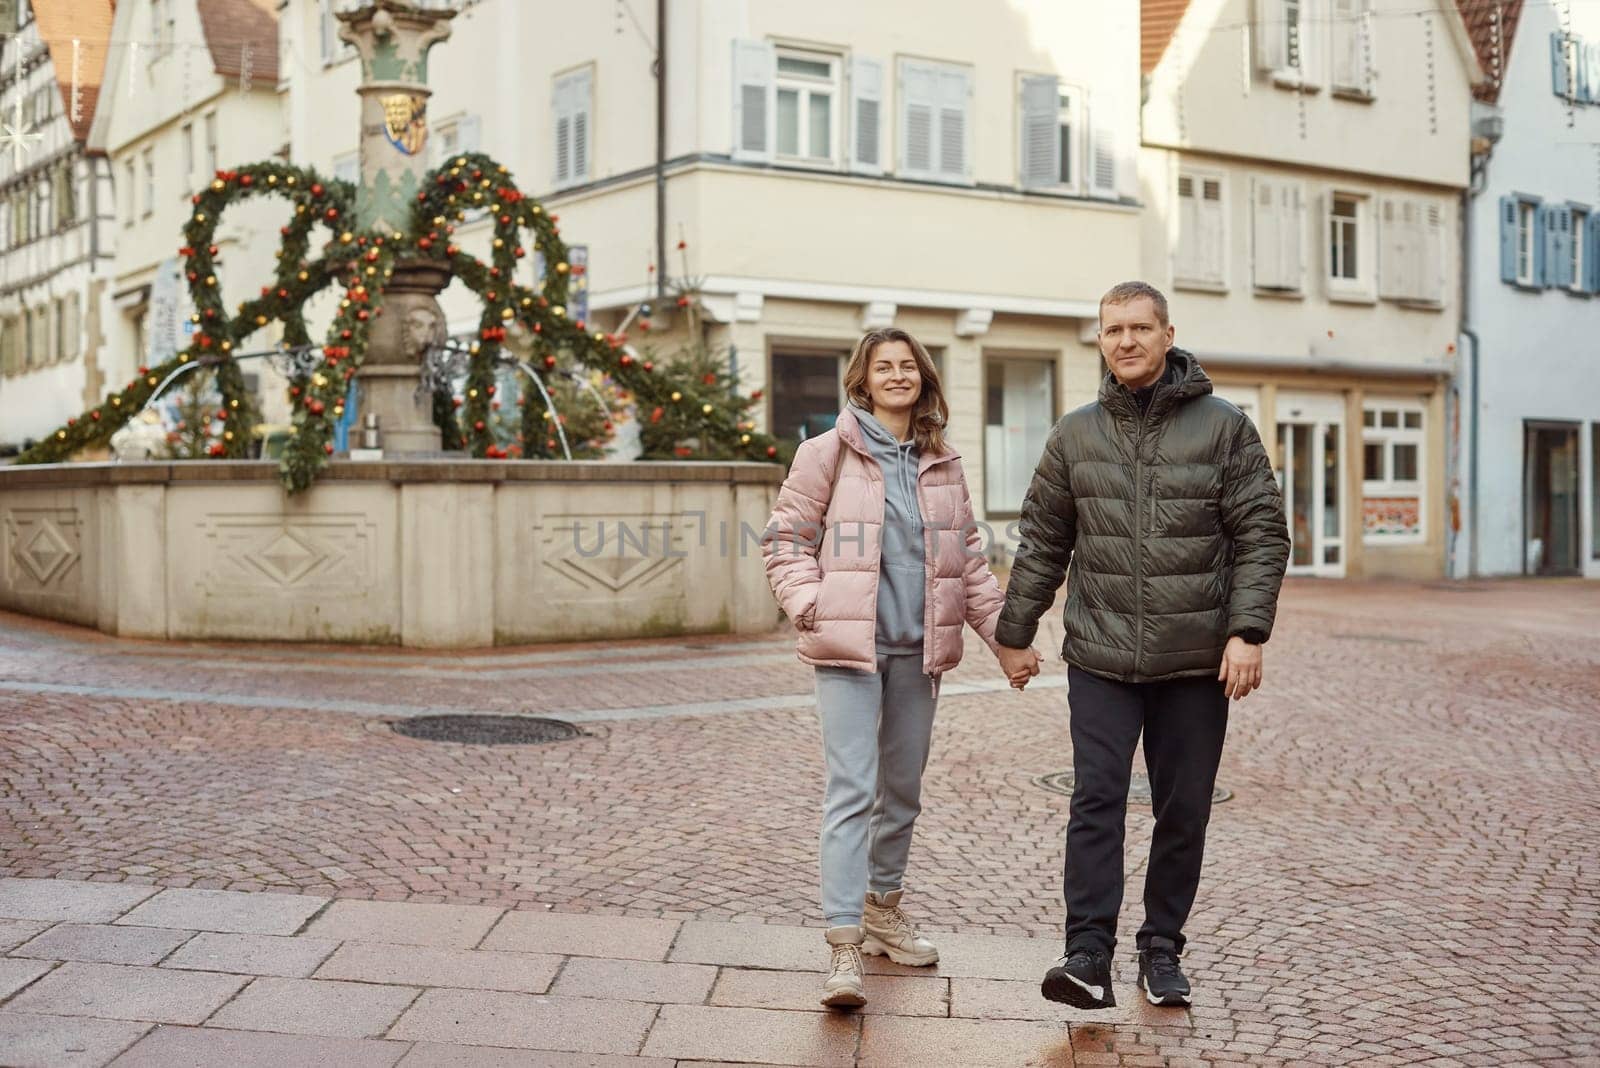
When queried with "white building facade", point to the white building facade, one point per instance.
{"points": [[1534, 304], [55, 233], [1303, 168], [829, 166]]}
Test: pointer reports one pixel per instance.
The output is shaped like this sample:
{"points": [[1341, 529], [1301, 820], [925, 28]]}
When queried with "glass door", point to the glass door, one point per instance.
{"points": [[1552, 500], [1310, 465]]}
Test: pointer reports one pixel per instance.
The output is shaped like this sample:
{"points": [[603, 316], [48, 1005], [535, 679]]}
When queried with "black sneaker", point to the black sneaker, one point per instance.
{"points": [[1081, 979], [1160, 977]]}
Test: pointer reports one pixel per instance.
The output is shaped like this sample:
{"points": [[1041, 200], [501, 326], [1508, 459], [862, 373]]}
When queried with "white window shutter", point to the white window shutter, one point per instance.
{"points": [[1102, 151], [1391, 250], [1293, 232], [580, 106], [469, 134], [561, 109], [755, 70], [955, 97], [1430, 252], [866, 113], [1271, 35], [1265, 234], [1347, 25], [1186, 255], [918, 93], [1039, 106], [1212, 255]]}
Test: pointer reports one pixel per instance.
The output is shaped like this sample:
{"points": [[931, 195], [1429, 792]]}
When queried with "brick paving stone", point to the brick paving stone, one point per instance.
{"points": [[893, 995], [16, 974], [579, 935], [758, 1036], [630, 980], [16, 932], [752, 945], [104, 943], [491, 1018], [432, 1055], [246, 954], [315, 1007], [1457, 720], [895, 1041], [455, 926], [222, 910], [208, 1047], [28, 1041], [998, 999], [67, 900], [118, 992], [373, 962]]}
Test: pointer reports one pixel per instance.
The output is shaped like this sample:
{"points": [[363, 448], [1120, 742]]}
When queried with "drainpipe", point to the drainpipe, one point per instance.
{"points": [[661, 150], [1487, 130]]}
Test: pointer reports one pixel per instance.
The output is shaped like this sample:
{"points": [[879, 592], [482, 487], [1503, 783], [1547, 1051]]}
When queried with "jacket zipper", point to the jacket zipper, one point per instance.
{"points": [[1138, 544]]}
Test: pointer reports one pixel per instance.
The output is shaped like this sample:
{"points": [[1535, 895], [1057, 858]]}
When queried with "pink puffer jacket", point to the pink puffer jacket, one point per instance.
{"points": [[822, 549]]}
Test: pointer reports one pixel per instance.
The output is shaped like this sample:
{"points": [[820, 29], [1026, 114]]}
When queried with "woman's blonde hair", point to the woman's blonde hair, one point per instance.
{"points": [[931, 414]]}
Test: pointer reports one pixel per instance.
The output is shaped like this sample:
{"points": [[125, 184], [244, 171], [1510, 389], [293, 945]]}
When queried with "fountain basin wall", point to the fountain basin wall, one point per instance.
{"points": [[431, 554]]}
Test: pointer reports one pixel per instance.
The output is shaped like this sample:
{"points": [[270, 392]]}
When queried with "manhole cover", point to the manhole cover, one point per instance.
{"points": [[487, 730], [1061, 782]]}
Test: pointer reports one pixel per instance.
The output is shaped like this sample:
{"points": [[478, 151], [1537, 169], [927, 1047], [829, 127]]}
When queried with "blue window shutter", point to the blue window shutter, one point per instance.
{"points": [[1541, 243], [1559, 82], [1560, 260], [1591, 254], [1508, 239]]}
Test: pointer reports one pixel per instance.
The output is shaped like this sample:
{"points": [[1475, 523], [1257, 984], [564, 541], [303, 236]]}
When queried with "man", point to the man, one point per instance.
{"points": [[1161, 498]]}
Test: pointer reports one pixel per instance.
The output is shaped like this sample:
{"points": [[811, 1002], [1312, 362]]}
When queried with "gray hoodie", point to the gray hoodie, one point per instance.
{"points": [[902, 577]]}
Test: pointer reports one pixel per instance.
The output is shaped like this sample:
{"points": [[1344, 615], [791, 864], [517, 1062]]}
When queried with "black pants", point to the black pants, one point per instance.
{"points": [[1183, 723]]}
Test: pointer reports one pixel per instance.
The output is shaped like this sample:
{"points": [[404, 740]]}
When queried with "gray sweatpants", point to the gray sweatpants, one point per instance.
{"points": [[875, 734]]}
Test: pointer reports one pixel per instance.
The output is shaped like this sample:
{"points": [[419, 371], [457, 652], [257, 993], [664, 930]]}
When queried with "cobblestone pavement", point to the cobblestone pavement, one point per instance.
{"points": [[1407, 871]]}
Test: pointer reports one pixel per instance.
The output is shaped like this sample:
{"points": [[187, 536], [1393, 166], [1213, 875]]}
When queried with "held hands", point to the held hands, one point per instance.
{"points": [[1241, 668], [1020, 665]]}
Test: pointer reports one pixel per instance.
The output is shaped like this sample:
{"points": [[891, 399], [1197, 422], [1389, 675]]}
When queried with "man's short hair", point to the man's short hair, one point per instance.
{"points": [[1125, 292]]}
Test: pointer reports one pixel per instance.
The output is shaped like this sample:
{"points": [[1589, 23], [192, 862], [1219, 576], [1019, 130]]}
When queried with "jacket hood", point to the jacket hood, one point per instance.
{"points": [[1184, 381]]}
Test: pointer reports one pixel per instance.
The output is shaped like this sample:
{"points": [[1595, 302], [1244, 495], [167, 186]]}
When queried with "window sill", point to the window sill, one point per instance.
{"points": [[1294, 82], [1349, 296], [1581, 294], [1199, 286], [1416, 304], [1358, 96], [1280, 294], [808, 163]]}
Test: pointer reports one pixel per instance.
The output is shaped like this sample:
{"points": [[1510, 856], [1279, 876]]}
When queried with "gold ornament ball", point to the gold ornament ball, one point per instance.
{"points": [[227, 346], [62, 434], [507, 313], [347, 237], [472, 393], [289, 180], [304, 276], [345, 303], [228, 434], [219, 185], [372, 270], [272, 179], [461, 161], [706, 408], [199, 216], [744, 439], [116, 401], [338, 409], [563, 268], [299, 209], [677, 396], [498, 243], [261, 320], [558, 311], [527, 302], [319, 379], [211, 279]]}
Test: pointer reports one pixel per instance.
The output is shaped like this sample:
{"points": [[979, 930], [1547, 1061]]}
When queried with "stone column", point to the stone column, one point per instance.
{"points": [[392, 38]]}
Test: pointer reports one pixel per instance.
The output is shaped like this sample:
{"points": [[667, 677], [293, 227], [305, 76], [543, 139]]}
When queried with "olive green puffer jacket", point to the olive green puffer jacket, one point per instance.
{"points": [[1173, 525]]}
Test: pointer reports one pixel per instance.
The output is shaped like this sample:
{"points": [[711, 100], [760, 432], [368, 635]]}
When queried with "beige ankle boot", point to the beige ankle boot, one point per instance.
{"points": [[889, 933], [845, 987]]}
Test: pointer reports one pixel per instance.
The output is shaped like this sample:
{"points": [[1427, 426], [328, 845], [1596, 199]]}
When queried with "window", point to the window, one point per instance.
{"points": [[188, 156], [70, 347], [163, 26], [347, 168], [128, 179], [44, 207], [10, 347], [573, 99], [935, 131], [1201, 256], [333, 49], [807, 392], [1052, 123], [149, 181], [1527, 235], [59, 307], [807, 107], [1019, 410], [1411, 259], [460, 134], [1353, 48], [1277, 228], [1285, 45], [66, 194], [1392, 472], [1594, 490], [212, 157], [1350, 260]]}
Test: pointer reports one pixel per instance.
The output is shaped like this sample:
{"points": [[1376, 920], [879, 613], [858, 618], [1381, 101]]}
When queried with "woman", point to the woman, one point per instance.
{"points": [[874, 554]]}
